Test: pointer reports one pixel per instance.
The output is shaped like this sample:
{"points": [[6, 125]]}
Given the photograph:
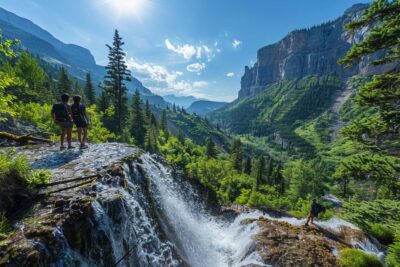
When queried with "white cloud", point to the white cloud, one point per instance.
{"points": [[186, 50], [195, 67], [230, 74], [161, 80], [200, 84], [236, 43]]}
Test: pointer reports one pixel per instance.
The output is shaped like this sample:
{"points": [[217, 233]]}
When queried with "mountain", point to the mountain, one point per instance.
{"points": [[297, 81], [306, 52], [76, 59], [182, 101], [204, 107]]}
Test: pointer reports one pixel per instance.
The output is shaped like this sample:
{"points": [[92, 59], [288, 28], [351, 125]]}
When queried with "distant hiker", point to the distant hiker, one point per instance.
{"points": [[61, 114], [314, 211], [81, 120]]}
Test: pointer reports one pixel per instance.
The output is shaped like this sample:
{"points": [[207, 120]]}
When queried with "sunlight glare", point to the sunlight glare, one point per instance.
{"points": [[124, 8]]}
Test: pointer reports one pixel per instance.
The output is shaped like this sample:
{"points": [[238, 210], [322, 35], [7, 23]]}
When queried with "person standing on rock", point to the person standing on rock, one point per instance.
{"points": [[61, 114], [314, 211], [81, 120]]}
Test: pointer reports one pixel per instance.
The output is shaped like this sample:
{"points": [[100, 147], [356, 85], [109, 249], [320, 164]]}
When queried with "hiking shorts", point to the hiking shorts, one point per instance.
{"points": [[81, 124], [65, 124]]}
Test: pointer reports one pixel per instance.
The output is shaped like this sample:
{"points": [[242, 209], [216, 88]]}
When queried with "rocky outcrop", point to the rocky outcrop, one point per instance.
{"points": [[308, 51]]}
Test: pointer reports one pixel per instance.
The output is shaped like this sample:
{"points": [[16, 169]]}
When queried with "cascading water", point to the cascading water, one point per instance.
{"points": [[203, 240]]}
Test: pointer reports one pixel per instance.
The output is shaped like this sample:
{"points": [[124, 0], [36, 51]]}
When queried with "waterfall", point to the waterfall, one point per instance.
{"points": [[203, 239]]}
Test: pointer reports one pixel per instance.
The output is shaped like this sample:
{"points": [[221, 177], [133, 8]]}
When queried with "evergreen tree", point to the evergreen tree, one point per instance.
{"points": [[117, 74], [147, 112], [138, 130], [259, 172], [174, 108], [64, 84], [247, 166], [377, 131], [151, 137], [211, 149], [90, 91], [103, 101], [237, 154], [181, 137], [164, 123], [380, 130], [79, 91]]}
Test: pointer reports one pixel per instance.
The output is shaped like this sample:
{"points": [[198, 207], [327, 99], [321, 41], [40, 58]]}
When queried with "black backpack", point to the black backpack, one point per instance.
{"points": [[78, 112], [60, 112]]}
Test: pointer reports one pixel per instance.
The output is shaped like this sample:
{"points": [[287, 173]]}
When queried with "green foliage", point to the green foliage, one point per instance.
{"points": [[98, 133], [90, 91], [383, 233], [4, 226], [304, 178], [393, 256], [137, 120], [350, 257], [39, 178], [64, 83], [281, 108], [14, 173], [211, 149], [38, 115], [237, 154]]}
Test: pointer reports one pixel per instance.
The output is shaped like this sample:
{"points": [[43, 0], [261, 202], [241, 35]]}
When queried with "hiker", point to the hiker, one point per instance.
{"points": [[81, 120], [314, 211], [61, 114]]}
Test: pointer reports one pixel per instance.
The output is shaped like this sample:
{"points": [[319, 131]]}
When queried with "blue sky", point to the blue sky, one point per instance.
{"points": [[185, 47]]}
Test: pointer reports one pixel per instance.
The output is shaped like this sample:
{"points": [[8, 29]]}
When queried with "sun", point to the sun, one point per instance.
{"points": [[124, 8]]}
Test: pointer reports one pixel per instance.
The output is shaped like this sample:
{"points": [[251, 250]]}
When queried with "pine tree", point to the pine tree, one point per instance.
{"points": [[90, 91], [148, 114], [259, 171], [103, 101], [151, 138], [237, 154], [174, 108], [380, 130], [164, 123], [138, 130], [247, 166], [211, 149], [117, 74], [181, 137], [377, 131], [64, 84]]}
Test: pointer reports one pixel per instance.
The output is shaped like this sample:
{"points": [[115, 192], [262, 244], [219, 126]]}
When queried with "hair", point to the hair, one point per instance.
{"points": [[65, 97], [77, 99]]}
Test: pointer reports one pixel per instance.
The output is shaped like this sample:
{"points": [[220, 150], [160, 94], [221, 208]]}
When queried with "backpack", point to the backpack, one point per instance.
{"points": [[78, 112], [60, 112]]}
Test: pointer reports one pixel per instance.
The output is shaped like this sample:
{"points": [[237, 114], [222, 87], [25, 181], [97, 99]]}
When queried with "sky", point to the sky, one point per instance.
{"points": [[181, 47]]}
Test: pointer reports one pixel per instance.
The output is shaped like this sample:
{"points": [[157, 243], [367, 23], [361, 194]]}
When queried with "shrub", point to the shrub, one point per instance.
{"points": [[350, 257], [382, 232], [393, 256], [38, 178]]}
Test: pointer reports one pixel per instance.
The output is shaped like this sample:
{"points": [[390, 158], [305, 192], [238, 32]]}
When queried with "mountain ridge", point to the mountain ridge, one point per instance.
{"points": [[76, 59]]}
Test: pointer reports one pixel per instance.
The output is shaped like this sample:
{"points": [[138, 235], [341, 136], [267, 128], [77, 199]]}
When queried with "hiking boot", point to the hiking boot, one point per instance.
{"points": [[62, 148], [83, 147], [71, 147]]}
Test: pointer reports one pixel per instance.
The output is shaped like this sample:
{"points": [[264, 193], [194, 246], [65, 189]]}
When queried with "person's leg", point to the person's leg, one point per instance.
{"points": [[312, 219], [69, 136], [63, 132], [85, 132], [80, 135], [308, 219]]}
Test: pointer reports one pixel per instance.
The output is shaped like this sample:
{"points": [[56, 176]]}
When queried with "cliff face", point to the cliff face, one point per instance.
{"points": [[304, 52]]}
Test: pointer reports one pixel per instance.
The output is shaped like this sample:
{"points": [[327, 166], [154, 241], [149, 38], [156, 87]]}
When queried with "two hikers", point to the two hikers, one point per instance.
{"points": [[314, 211], [65, 115]]}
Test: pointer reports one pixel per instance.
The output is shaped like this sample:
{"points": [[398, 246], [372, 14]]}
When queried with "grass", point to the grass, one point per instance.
{"points": [[350, 257]]}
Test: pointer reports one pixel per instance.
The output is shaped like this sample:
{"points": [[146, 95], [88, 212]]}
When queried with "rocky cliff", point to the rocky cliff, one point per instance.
{"points": [[307, 51]]}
